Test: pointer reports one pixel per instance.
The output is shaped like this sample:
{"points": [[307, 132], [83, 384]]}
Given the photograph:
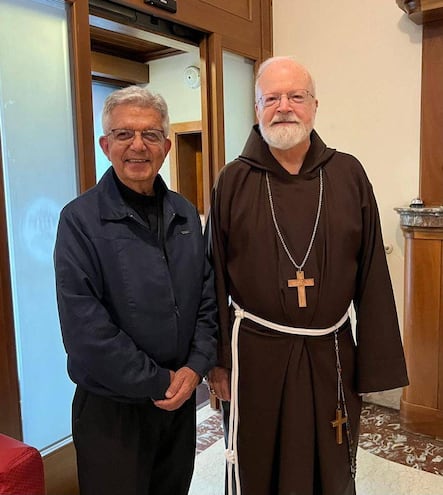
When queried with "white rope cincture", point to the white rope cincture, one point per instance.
{"points": [[231, 452]]}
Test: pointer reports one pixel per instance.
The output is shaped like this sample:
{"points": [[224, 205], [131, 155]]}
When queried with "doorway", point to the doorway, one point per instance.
{"points": [[186, 165], [125, 53]]}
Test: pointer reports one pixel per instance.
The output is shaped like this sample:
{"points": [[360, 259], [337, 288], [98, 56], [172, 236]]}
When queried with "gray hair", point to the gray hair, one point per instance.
{"points": [[135, 95], [283, 58]]}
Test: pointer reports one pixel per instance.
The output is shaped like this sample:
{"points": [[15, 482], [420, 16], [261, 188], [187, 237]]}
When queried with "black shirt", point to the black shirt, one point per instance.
{"points": [[149, 207]]}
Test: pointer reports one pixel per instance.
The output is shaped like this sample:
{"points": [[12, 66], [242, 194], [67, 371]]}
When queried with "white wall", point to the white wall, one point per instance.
{"points": [[166, 76], [366, 60]]}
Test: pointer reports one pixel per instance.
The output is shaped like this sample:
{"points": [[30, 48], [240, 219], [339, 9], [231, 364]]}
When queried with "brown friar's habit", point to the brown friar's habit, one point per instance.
{"points": [[288, 384]]}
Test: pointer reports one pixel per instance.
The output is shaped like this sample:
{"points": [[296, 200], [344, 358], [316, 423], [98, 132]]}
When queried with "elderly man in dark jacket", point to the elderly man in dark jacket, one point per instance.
{"points": [[137, 311]]}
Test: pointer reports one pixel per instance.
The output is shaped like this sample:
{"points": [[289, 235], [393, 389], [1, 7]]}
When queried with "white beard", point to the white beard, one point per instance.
{"points": [[285, 137]]}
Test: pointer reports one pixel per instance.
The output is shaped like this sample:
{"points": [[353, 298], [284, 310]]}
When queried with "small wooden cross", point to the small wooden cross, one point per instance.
{"points": [[301, 282], [338, 422]]}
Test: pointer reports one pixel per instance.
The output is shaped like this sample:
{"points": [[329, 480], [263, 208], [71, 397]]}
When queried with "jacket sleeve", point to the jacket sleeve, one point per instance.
{"points": [[380, 358], [202, 356], [101, 356]]}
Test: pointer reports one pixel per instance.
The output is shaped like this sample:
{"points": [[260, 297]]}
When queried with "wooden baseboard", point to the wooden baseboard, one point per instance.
{"points": [[421, 419], [61, 471]]}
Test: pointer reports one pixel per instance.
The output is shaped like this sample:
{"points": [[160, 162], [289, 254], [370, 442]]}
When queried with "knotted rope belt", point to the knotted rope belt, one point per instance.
{"points": [[240, 314]]}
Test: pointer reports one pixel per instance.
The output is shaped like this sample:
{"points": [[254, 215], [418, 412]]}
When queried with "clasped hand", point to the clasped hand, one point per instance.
{"points": [[219, 380], [183, 383]]}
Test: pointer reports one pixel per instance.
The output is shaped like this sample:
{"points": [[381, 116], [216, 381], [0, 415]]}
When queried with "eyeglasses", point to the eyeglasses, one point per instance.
{"points": [[149, 136], [296, 97]]}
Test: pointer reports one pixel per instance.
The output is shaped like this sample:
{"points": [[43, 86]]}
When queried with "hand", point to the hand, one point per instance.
{"points": [[183, 383], [219, 381]]}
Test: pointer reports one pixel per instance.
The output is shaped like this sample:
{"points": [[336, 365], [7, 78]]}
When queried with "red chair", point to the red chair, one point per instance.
{"points": [[21, 468]]}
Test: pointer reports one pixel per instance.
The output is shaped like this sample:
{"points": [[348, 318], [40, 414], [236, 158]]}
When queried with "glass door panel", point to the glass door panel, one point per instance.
{"points": [[36, 125], [99, 93], [238, 95]]}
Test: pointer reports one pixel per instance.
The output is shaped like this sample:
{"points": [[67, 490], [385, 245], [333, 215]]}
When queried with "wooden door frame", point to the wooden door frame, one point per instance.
{"points": [[10, 414], [82, 92], [175, 130], [213, 123]]}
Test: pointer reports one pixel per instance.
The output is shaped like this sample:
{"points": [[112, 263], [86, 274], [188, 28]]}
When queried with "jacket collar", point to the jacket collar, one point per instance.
{"points": [[112, 207]]}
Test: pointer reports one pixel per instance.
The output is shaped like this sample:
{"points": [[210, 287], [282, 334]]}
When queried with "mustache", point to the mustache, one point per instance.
{"points": [[284, 118]]}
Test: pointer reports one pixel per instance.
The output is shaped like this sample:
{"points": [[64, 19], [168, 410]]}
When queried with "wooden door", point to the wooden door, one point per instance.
{"points": [[186, 162]]}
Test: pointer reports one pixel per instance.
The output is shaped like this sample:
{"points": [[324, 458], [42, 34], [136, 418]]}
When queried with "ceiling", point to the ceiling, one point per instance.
{"points": [[129, 47]]}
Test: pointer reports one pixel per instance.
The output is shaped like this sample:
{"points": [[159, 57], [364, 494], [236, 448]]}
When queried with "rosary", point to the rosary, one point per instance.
{"points": [[341, 420], [300, 282]]}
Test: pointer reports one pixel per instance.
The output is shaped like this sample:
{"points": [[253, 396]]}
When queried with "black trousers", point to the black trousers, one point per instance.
{"points": [[132, 449]]}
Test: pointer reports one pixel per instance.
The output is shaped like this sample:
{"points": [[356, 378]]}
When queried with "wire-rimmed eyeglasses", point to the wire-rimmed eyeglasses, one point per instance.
{"points": [[149, 136], [296, 97]]}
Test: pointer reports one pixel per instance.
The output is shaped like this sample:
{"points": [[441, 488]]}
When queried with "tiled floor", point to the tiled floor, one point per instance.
{"points": [[390, 460], [381, 434]]}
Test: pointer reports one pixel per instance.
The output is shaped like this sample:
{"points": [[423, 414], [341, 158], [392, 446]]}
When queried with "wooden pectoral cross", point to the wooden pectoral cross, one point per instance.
{"points": [[338, 422], [301, 282]]}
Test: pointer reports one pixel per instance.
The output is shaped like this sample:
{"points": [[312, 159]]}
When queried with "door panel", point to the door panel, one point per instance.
{"points": [[40, 176]]}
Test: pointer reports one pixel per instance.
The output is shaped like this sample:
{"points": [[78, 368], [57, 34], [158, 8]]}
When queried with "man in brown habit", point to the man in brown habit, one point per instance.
{"points": [[295, 239]]}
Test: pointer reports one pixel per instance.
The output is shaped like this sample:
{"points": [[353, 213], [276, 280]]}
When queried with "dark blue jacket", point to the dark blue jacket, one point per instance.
{"points": [[129, 313]]}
